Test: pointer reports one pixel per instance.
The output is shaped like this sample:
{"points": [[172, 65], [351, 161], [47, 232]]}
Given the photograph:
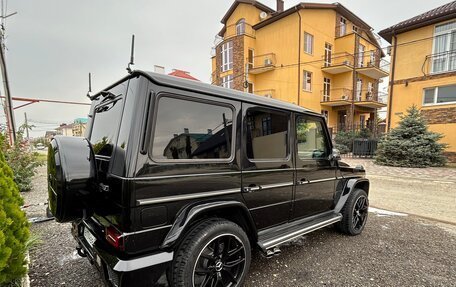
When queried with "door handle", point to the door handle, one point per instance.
{"points": [[302, 181], [252, 188]]}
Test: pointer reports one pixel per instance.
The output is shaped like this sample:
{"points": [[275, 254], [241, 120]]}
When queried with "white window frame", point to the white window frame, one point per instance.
{"points": [[359, 90], [251, 64], [227, 81], [361, 51], [227, 56], [305, 85], [448, 56], [342, 27], [308, 43], [240, 27], [436, 93], [328, 54], [327, 89]]}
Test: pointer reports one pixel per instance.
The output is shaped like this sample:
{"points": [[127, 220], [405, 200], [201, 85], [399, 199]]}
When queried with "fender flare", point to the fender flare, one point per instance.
{"points": [[187, 215], [347, 190]]}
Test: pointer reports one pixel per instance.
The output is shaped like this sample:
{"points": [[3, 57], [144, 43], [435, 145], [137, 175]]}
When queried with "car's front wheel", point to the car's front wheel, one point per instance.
{"points": [[214, 253], [354, 213]]}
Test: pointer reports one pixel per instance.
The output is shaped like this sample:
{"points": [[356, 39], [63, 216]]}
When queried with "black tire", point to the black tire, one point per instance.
{"points": [[354, 213], [204, 255]]}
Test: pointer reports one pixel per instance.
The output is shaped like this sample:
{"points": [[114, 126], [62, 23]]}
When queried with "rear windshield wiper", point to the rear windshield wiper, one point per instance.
{"points": [[106, 95]]}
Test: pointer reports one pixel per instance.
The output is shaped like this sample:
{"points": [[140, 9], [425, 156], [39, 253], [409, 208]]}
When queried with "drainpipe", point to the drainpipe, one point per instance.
{"points": [[299, 56], [391, 85]]}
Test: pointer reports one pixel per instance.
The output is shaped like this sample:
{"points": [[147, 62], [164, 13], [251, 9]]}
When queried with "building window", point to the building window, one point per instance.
{"points": [[308, 43], [328, 54], [227, 82], [250, 58], [250, 88], [227, 56], [359, 89], [326, 89], [325, 113], [192, 130], [240, 27], [342, 26], [307, 81], [361, 49], [355, 29], [444, 50], [440, 95]]}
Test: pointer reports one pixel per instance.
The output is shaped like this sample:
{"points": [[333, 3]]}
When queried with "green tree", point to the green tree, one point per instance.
{"points": [[14, 228], [411, 144]]}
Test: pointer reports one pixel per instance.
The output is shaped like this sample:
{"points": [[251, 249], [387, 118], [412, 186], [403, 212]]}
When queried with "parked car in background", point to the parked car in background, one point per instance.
{"points": [[40, 146], [187, 178]]}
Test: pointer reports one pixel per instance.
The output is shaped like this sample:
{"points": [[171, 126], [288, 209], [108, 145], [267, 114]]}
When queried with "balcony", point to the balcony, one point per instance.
{"points": [[371, 65], [440, 62], [336, 97], [265, 93], [338, 63], [262, 63], [370, 99]]}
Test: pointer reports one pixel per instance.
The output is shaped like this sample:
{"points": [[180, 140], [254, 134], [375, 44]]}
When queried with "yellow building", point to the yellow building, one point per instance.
{"points": [[423, 70], [319, 56]]}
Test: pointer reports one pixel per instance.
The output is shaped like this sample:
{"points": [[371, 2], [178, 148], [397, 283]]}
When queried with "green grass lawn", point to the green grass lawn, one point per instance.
{"points": [[42, 158]]}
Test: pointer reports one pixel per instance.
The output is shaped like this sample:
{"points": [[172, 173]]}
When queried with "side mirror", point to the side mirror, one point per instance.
{"points": [[335, 154]]}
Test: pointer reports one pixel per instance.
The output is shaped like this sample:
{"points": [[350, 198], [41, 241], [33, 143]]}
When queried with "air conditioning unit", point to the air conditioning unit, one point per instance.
{"points": [[345, 97], [268, 96], [347, 62], [267, 62]]}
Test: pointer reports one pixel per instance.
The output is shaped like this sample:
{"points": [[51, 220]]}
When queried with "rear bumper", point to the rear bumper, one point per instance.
{"points": [[122, 272]]}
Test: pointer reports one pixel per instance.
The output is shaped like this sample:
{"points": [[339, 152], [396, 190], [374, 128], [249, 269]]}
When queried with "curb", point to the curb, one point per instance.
{"points": [[25, 282]]}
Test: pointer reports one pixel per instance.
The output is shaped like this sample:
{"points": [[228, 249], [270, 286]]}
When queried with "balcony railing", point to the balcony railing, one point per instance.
{"points": [[370, 96], [335, 96], [372, 65], [265, 93], [238, 30], [262, 63], [338, 60], [440, 62]]}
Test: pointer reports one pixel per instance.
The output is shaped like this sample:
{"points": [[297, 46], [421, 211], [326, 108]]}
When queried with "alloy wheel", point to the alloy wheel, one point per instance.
{"points": [[360, 210], [220, 263]]}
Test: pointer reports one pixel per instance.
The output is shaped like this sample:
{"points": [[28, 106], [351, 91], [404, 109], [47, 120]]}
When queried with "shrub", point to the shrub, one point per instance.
{"points": [[21, 160], [344, 141], [411, 144], [14, 228]]}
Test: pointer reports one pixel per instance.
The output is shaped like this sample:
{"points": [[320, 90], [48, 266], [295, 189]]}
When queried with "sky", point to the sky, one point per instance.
{"points": [[52, 45]]}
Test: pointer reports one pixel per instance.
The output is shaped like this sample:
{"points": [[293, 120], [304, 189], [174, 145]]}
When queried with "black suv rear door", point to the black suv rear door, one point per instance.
{"points": [[315, 173], [267, 167]]}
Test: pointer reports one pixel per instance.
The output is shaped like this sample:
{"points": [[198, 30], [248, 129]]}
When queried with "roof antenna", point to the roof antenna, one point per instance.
{"points": [[132, 56], [90, 86]]}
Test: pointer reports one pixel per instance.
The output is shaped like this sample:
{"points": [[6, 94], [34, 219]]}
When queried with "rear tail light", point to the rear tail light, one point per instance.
{"points": [[114, 237]]}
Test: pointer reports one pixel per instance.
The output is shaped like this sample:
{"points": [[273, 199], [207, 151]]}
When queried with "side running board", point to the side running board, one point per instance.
{"points": [[268, 242]]}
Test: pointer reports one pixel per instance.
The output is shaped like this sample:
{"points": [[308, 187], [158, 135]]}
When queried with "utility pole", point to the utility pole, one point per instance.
{"points": [[9, 102], [27, 128]]}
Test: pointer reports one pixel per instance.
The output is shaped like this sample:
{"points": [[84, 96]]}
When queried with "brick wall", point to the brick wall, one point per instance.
{"points": [[440, 115], [238, 63]]}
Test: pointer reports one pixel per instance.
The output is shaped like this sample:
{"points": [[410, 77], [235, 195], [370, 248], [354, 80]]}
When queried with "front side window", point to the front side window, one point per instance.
{"points": [[440, 95], [311, 139], [186, 130], [267, 134], [308, 43], [307, 81], [227, 82], [227, 56]]}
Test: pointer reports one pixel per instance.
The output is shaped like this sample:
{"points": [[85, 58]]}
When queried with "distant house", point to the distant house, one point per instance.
{"points": [[49, 135], [79, 127], [423, 71], [182, 74], [65, 130]]}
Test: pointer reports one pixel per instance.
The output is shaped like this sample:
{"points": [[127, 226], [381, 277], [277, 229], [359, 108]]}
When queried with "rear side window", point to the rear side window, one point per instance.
{"points": [[311, 139], [267, 134], [192, 130]]}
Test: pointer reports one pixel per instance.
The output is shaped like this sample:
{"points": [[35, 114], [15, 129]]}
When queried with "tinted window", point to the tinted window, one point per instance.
{"points": [[105, 119], [311, 139], [192, 130], [267, 134]]}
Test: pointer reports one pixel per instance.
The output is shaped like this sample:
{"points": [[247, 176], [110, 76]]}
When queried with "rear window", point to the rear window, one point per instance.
{"points": [[106, 120], [192, 130]]}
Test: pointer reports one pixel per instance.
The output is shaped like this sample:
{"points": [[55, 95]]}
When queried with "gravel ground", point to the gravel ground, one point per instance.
{"points": [[392, 251]]}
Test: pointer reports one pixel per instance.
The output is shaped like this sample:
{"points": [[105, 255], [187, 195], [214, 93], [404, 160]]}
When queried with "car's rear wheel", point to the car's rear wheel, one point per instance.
{"points": [[214, 253], [354, 213]]}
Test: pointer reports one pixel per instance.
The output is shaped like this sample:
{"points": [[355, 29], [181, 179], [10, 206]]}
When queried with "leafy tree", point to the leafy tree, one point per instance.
{"points": [[411, 144], [14, 228]]}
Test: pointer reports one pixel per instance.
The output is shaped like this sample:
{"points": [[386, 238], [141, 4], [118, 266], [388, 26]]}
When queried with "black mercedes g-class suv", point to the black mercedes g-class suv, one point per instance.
{"points": [[182, 178]]}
